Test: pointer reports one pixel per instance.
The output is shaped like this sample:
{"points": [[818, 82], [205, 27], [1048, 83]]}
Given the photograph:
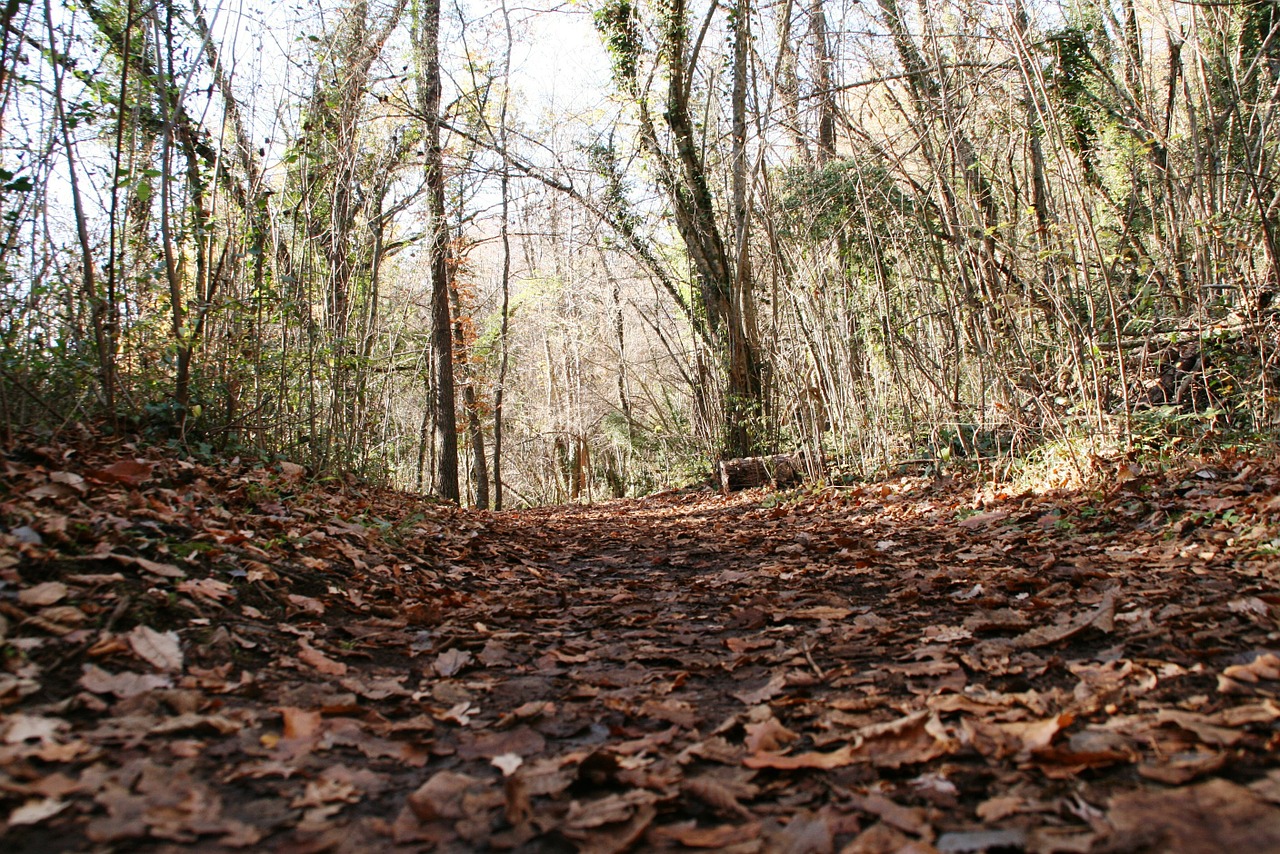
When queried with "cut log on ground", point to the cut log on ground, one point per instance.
{"points": [[749, 472]]}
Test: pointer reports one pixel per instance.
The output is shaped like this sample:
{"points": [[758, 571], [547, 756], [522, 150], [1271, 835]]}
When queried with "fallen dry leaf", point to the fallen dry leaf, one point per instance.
{"points": [[330, 664], [846, 755], [313, 657], [36, 811], [122, 685], [1208, 818], [162, 650], [442, 796], [164, 570], [451, 662], [48, 593], [127, 472]]}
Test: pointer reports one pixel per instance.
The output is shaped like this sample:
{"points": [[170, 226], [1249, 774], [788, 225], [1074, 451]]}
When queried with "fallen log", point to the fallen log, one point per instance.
{"points": [[748, 472]]}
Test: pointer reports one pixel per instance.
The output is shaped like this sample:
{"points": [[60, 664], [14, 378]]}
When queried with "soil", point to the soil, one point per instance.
{"points": [[233, 656]]}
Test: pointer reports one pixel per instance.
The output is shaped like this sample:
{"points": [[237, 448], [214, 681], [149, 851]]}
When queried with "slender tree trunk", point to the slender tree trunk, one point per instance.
{"points": [[826, 148], [11, 36], [746, 403], [499, 393], [427, 48], [100, 313], [470, 403], [177, 309], [788, 86], [119, 163], [682, 174]]}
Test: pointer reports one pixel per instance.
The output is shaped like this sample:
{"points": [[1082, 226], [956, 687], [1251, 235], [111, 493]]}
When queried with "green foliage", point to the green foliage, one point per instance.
{"points": [[1073, 78], [618, 23], [835, 200], [603, 158]]}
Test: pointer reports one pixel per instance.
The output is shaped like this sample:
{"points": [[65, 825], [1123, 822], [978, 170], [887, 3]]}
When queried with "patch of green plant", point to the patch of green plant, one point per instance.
{"points": [[395, 533], [787, 498], [256, 493], [186, 548], [1268, 549]]}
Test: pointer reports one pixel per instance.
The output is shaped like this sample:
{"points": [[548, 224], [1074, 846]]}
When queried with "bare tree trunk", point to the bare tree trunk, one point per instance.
{"points": [[470, 402], [746, 400], [788, 86], [427, 49], [822, 80], [100, 312], [11, 36], [499, 393]]}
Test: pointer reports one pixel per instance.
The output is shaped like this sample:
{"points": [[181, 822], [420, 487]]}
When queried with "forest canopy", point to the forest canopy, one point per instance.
{"points": [[535, 254]]}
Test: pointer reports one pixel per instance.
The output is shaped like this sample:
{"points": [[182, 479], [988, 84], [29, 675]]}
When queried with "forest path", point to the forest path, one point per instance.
{"points": [[204, 658]]}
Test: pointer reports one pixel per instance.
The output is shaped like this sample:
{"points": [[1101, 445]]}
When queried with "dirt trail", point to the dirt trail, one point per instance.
{"points": [[209, 659]]}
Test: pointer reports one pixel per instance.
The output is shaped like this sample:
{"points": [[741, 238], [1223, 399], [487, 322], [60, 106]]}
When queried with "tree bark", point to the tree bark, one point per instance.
{"points": [[682, 174], [826, 148], [788, 86], [470, 403], [499, 393], [751, 472], [427, 48]]}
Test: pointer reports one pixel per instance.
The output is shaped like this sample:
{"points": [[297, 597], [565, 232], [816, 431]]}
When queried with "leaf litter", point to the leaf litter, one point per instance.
{"points": [[234, 657]]}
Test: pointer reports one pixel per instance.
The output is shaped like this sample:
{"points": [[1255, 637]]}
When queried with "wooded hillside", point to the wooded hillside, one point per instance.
{"points": [[521, 255]]}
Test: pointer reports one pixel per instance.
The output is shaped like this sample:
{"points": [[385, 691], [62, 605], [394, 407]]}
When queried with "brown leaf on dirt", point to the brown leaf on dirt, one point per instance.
{"points": [[882, 839], [721, 792], [735, 672], [313, 657], [307, 604], [48, 593], [1208, 818], [775, 686], [207, 588], [300, 724], [1262, 674], [164, 570], [918, 737], [1018, 739], [913, 820], [1176, 769], [127, 472], [723, 837], [162, 650], [292, 472], [767, 736], [673, 711], [122, 685], [1101, 684], [521, 741], [70, 479], [820, 612], [1202, 725], [36, 811], [194, 724], [444, 796], [806, 833], [451, 662], [18, 728], [846, 755], [610, 809], [1102, 618], [983, 520]]}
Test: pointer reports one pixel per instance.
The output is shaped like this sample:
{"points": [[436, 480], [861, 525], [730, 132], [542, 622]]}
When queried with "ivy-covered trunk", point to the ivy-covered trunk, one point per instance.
{"points": [[723, 281]]}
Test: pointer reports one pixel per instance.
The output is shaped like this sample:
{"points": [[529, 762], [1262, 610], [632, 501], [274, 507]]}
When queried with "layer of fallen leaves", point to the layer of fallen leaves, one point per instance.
{"points": [[231, 657]]}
